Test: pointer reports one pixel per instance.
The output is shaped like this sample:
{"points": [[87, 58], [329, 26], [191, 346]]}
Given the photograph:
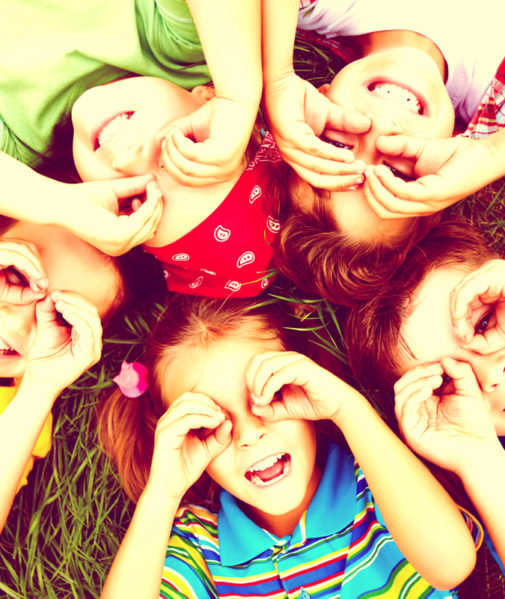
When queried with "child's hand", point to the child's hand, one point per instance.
{"points": [[449, 428], [478, 308], [191, 433], [290, 385], [207, 146], [61, 352], [298, 115], [447, 170], [96, 217], [22, 277]]}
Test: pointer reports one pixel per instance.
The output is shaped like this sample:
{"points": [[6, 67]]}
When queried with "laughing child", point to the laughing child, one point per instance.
{"points": [[230, 406]]}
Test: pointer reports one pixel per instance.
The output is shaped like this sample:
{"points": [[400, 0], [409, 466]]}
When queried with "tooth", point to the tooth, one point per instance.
{"points": [[398, 93], [266, 463], [112, 127]]}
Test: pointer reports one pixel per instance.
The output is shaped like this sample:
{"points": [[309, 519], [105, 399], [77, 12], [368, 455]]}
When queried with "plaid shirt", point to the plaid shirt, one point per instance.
{"points": [[490, 116]]}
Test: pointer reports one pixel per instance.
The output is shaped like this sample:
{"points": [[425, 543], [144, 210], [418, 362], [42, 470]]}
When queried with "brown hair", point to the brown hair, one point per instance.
{"points": [[373, 329], [126, 426], [321, 259]]}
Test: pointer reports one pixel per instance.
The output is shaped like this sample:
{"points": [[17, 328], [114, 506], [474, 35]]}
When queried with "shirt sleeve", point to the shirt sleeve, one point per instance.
{"points": [[181, 580], [185, 571]]}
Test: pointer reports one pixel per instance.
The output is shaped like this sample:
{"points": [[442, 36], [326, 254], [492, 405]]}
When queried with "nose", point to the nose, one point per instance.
{"points": [[489, 370], [248, 429], [382, 124], [18, 322], [136, 158]]}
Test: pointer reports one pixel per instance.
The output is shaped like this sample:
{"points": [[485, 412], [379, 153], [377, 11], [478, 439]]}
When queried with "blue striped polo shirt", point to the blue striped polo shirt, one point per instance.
{"points": [[341, 548]]}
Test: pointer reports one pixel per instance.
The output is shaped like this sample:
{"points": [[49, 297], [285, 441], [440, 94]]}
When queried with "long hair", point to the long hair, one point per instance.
{"points": [[126, 426]]}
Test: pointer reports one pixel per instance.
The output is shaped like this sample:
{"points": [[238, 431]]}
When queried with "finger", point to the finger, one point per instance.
{"points": [[348, 120], [325, 181], [72, 298], [179, 429], [130, 186], [261, 369], [384, 201], [45, 313], [86, 332], [191, 403], [276, 372], [464, 381], [141, 225], [411, 417], [400, 145], [191, 174], [219, 440], [421, 372], [24, 257], [272, 412]]}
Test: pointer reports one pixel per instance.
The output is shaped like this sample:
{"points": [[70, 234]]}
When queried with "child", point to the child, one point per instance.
{"points": [[443, 314], [40, 285], [51, 54], [213, 243], [234, 401], [58, 354], [411, 77]]}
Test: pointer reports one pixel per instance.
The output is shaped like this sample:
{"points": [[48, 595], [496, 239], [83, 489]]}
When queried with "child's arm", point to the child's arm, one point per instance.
{"points": [[478, 308], [447, 170], [89, 210], [423, 520], [297, 113], [208, 146], [179, 459], [57, 357], [454, 430]]}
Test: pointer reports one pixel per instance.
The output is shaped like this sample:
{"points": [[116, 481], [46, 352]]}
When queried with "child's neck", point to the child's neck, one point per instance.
{"points": [[378, 41]]}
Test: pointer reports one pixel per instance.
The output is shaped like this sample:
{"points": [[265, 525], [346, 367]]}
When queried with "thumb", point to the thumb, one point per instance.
{"points": [[45, 312], [465, 383], [400, 145], [195, 126], [219, 440], [347, 120]]}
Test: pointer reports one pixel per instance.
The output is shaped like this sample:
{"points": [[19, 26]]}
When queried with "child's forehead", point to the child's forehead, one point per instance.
{"points": [[219, 369]]}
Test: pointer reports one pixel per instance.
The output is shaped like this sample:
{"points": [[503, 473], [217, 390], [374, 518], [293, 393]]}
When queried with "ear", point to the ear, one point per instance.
{"points": [[204, 92], [322, 89]]}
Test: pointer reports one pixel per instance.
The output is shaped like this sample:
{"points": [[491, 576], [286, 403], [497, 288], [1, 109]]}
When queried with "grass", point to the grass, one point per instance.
{"points": [[66, 525]]}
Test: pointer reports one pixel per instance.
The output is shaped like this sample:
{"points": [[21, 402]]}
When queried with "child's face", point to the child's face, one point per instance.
{"points": [[269, 466], [77, 267], [116, 125], [402, 91], [428, 332]]}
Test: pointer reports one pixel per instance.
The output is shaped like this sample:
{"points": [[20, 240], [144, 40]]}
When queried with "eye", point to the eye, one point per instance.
{"points": [[337, 143], [14, 277], [484, 323], [399, 174], [446, 387]]}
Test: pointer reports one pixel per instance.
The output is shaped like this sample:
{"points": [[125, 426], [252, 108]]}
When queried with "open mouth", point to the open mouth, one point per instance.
{"points": [[6, 350], [111, 127], [400, 94], [270, 470]]}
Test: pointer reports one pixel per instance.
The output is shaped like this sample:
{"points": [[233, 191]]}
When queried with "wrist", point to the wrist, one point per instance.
{"points": [[37, 393], [479, 463]]}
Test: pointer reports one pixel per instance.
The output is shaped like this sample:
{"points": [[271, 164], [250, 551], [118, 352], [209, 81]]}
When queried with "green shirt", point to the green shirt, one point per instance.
{"points": [[52, 51]]}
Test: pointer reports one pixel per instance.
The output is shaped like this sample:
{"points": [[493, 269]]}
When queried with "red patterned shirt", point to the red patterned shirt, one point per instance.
{"points": [[230, 252]]}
